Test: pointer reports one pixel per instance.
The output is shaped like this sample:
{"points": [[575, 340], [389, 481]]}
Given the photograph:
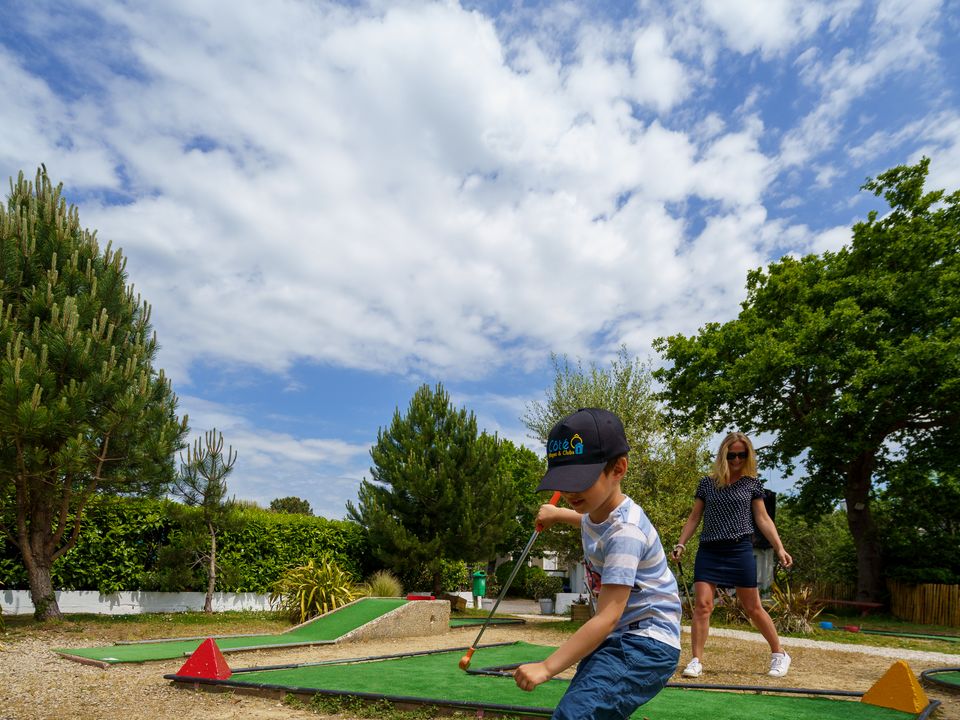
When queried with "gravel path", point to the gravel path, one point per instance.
{"points": [[928, 658]]}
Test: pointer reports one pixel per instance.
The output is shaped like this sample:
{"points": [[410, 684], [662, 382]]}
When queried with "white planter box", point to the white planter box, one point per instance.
{"points": [[17, 602], [564, 601]]}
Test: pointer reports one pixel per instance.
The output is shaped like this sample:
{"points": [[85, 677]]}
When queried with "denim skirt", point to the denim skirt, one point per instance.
{"points": [[726, 563]]}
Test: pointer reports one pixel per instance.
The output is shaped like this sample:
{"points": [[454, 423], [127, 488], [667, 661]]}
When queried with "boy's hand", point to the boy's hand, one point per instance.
{"points": [[548, 515], [530, 675]]}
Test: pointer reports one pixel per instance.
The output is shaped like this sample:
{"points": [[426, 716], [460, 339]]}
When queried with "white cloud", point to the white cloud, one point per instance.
{"points": [[941, 143], [769, 27], [658, 78], [387, 192], [832, 239], [898, 40], [325, 471], [936, 136]]}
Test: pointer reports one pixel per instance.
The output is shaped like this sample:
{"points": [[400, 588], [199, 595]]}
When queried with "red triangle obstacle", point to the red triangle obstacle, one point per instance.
{"points": [[206, 662]]}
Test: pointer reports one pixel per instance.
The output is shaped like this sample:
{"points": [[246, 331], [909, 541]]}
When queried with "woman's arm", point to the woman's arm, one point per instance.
{"points": [[689, 528], [769, 530]]}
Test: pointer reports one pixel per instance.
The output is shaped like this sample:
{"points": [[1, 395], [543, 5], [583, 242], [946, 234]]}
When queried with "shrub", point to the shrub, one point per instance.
{"points": [[540, 585], [128, 544], [384, 583], [793, 610], [312, 589], [727, 610], [453, 577], [519, 587]]}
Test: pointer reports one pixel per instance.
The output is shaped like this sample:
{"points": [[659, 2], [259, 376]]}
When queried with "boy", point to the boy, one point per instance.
{"points": [[630, 648]]}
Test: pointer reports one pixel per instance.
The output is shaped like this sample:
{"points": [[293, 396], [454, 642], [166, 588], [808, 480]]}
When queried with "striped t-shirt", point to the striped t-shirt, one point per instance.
{"points": [[625, 549]]}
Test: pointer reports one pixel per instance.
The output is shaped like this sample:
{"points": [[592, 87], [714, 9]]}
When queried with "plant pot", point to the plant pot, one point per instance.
{"points": [[580, 613], [546, 606]]}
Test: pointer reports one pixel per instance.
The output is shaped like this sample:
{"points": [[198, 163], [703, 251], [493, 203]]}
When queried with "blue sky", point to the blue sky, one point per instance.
{"points": [[328, 204]]}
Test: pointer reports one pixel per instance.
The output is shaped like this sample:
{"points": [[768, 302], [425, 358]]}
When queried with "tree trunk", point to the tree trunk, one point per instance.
{"points": [[863, 529], [41, 591], [36, 551], [211, 571]]}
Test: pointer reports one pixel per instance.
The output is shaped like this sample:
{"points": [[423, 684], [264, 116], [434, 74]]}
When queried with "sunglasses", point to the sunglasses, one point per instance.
{"points": [[742, 455]]}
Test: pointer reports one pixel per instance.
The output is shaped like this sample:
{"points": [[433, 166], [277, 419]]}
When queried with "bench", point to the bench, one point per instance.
{"points": [[863, 606]]}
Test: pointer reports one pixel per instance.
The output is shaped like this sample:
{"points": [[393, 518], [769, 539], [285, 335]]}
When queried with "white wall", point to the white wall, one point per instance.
{"points": [[17, 602]]}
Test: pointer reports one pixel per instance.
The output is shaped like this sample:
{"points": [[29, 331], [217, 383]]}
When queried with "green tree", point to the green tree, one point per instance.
{"points": [[291, 505], [436, 493], [523, 468], [82, 409], [822, 548], [665, 465], [202, 483], [851, 359], [919, 518]]}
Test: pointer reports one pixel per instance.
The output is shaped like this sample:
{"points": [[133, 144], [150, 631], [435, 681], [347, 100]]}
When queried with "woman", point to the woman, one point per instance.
{"points": [[730, 502]]}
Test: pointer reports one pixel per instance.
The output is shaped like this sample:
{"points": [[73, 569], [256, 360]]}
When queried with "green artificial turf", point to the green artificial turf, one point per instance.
{"points": [[477, 621], [923, 636], [326, 628], [951, 677], [438, 678]]}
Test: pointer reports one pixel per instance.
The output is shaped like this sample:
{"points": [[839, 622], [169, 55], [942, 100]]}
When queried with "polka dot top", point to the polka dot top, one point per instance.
{"points": [[727, 514]]}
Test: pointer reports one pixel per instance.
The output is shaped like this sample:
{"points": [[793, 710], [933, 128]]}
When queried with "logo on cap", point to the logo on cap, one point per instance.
{"points": [[564, 448]]}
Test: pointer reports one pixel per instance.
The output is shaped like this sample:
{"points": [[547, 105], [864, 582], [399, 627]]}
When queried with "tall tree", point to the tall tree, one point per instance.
{"points": [[523, 468], [292, 505], [435, 491], [665, 465], [202, 483], [82, 409], [851, 359]]}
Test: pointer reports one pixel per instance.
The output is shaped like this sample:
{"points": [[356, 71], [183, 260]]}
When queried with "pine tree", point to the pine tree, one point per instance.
{"points": [[436, 493], [82, 409], [202, 483]]}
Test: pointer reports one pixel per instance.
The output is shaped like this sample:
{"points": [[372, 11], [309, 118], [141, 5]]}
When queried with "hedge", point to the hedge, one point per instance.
{"points": [[124, 544]]}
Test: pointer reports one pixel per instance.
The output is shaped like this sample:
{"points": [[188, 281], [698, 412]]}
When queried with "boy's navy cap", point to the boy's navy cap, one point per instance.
{"points": [[579, 446]]}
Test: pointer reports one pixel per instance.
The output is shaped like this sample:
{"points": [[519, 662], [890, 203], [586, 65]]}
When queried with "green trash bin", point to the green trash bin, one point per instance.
{"points": [[479, 587]]}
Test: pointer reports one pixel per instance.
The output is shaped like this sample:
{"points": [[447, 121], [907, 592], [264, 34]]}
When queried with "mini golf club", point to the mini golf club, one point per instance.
{"points": [[465, 660]]}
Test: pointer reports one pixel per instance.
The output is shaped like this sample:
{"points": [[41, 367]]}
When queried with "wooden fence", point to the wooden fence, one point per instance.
{"points": [[926, 604], [835, 590]]}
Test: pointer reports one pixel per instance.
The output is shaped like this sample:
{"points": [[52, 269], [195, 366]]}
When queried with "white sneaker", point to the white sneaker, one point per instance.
{"points": [[693, 668], [779, 664]]}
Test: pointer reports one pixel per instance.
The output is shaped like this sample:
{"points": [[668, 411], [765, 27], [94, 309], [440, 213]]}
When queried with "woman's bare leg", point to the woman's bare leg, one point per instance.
{"points": [[750, 600], [700, 626]]}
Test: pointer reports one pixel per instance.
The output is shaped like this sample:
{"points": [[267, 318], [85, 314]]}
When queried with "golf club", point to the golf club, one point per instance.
{"points": [[686, 588], [465, 660]]}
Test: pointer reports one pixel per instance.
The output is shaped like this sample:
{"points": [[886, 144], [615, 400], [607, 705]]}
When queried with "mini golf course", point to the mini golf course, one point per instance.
{"points": [[944, 677], [324, 630], [434, 679]]}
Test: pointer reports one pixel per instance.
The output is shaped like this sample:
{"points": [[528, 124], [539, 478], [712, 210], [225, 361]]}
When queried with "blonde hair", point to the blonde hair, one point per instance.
{"points": [[721, 470]]}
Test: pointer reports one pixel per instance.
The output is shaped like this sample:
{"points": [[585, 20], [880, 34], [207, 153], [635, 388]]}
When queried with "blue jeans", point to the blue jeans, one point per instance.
{"points": [[623, 673]]}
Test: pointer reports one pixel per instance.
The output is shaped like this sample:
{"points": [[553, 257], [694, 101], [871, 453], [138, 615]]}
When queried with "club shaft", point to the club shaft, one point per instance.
{"points": [[513, 573]]}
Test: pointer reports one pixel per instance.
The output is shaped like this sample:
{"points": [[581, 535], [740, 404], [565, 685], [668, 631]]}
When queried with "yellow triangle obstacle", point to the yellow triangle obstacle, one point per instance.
{"points": [[898, 689]]}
